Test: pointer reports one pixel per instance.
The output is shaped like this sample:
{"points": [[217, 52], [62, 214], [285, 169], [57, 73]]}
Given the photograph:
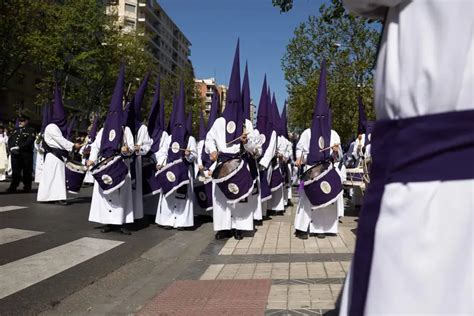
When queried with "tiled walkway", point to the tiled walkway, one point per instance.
{"points": [[306, 276]]}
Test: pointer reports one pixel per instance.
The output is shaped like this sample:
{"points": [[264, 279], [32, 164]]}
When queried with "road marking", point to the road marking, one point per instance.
{"points": [[11, 208], [18, 275], [12, 234]]}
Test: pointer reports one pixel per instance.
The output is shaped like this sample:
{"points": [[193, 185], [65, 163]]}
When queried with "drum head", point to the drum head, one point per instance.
{"points": [[315, 171], [226, 168]]}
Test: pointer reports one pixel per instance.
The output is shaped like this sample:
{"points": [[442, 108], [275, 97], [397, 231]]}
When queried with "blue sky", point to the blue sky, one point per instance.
{"points": [[213, 27]]}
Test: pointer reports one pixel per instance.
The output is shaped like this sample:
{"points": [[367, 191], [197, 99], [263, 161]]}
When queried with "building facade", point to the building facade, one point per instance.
{"points": [[166, 41], [206, 88]]}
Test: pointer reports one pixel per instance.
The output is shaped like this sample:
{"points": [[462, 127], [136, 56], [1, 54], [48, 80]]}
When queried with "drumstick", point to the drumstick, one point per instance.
{"points": [[234, 140], [324, 149]]}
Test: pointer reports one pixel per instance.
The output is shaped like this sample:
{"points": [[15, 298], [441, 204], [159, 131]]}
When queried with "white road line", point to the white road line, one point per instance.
{"points": [[18, 275], [12, 234], [11, 208]]}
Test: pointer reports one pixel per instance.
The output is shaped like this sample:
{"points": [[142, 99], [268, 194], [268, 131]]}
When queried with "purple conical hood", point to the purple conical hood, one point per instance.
{"points": [[246, 93], [214, 112], [233, 112], [263, 117], [320, 127], [155, 126], [138, 99], [46, 117], [202, 127], [276, 120], [284, 121], [369, 128], [58, 115], [70, 128], [112, 134], [179, 129], [362, 116], [17, 123], [189, 123], [93, 131], [173, 114]]}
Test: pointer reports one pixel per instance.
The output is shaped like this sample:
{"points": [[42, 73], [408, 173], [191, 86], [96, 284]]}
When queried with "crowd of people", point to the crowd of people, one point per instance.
{"points": [[237, 173]]}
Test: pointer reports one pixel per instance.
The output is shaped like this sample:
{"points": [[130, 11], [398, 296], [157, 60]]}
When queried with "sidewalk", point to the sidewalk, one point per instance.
{"points": [[272, 273]]}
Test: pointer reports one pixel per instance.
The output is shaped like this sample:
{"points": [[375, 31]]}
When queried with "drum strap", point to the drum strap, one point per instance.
{"points": [[59, 153]]}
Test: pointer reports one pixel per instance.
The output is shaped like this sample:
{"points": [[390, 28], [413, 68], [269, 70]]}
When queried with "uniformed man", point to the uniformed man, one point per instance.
{"points": [[20, 145]]}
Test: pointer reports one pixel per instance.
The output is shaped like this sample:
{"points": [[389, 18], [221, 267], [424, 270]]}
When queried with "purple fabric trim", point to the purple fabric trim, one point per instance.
{"points": [[408, 150]]}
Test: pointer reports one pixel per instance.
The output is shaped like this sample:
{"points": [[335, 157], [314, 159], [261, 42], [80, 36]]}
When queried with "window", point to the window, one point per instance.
{"points": [[129, 22], [130, 8]]}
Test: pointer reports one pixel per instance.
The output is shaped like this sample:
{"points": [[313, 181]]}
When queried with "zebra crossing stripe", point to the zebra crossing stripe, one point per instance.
{"points": [[11, 208], [8, 235], [20, 274]]}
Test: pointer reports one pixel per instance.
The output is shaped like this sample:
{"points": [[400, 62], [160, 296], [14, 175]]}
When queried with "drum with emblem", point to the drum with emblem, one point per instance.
{"points": [[75, 174], [173, 177], [322, 184], [203, 191], [234, 179], [150, 183], [110, 174]]}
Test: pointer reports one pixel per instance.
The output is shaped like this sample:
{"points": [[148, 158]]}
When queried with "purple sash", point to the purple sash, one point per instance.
{"points": [[437, 147]]}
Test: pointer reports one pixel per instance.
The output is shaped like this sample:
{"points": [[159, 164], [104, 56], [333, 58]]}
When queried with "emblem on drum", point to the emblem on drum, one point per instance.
{"points": [[175, 147], [325, 187], [202, 196], [233, 188], [107, 179], [170, 176], [321, 142], [111, 135], [231, 127]]}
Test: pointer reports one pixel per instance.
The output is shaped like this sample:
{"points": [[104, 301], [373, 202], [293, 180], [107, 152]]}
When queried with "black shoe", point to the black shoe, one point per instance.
{"points": [[258, 222], [180, 229], [11, 190], [167, 227], [124, 231], [279, 213], [26, 190], [107, 229], [270, 212], [238, 234], [301, 234], [331, 234], [62, 202], [266, 218], [222, 234], [289, 203], [321, 236]]}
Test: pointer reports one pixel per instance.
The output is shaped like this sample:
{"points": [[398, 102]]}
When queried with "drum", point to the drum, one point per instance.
{"points": [[75, 174], [172, 177], [234, 179], [203, 192], [110, 174], [322, 184], [276, 181], [150, 183]]}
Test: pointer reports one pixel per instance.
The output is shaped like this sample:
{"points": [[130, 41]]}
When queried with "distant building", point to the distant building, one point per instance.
{"points": [[206, 88], [253, 113], [167, 43]]}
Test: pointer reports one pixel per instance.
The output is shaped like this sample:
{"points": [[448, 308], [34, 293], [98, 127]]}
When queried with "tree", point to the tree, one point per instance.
{"points": [[349, 44]]}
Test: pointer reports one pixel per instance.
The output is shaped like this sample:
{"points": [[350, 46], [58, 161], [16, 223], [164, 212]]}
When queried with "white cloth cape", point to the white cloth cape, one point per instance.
{"points": [[52, 185]]}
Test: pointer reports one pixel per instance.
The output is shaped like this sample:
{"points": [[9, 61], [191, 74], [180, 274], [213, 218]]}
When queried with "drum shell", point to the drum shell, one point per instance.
{"points": [[151, 185], [237, 185], [75, 174], [110, 174], [203, 192], [179, 170], [324, 189]]}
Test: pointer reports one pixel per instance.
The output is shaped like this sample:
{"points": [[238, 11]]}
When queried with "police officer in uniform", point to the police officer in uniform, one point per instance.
{"points": [[20, 144]]}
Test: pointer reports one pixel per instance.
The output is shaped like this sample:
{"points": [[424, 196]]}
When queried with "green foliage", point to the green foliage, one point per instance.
{"points": [[76, 43], [348, 43], [285, 5]]}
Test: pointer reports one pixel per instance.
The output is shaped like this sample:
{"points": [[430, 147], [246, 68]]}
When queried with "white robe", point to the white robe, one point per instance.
{"points": [[278, 200], [145, 142], [115, 208], [198, 162], [88, 178], [265, 163], [423, 252], [174, 211], [150, 202], [238, 215], [323, 219], [52, 185], [3, 156]]}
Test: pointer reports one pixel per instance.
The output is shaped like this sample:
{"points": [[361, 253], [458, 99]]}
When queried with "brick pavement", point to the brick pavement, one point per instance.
{"points": [[303, 276]]}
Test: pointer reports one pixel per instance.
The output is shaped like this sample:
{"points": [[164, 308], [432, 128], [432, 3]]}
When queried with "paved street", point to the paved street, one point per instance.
{"points": [[56, 262]]}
